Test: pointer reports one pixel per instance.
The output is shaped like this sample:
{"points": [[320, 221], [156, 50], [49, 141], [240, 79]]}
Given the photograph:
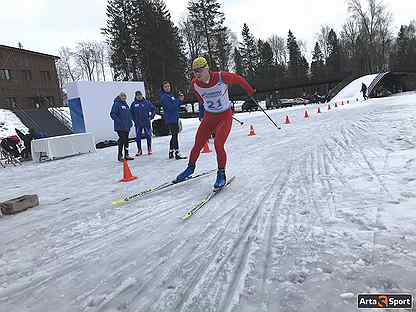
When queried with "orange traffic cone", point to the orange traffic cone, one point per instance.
{"points": [[206, 149], [306, 114], [127, 176], [287, 121], [252, 133], [319, 110], [329, 106]]}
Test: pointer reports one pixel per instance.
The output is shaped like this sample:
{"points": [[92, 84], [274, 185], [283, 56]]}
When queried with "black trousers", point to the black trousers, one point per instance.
{"points": [[123, 141], [174, 130]]}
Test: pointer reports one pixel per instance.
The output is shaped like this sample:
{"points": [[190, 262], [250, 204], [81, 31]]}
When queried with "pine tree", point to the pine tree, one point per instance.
{"points": [[248, 50], [333, 62], [208, 21], [265, 73], [317, 64], [238, 62], [294, 63], [404, 58], [119, 36], [145, 43], [223, 48]]}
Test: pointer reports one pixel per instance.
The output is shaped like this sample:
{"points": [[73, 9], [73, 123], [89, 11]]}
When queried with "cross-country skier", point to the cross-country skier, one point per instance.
{"points": [[211, 89]]}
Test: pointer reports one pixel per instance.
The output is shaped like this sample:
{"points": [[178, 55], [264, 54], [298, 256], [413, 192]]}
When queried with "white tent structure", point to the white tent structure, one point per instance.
{"points": [[90, 105]]}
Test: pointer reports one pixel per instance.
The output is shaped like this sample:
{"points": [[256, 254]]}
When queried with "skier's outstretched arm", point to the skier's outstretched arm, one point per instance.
{"points": [[231, 78]]}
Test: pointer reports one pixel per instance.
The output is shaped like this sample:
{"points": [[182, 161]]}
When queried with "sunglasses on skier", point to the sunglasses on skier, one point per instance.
{"points": [[198, 70]]}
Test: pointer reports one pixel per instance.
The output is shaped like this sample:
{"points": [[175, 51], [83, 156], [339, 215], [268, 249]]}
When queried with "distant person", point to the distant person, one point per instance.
{"points": [[364, 90], [142, 112], [171, 107], [120, 113]]}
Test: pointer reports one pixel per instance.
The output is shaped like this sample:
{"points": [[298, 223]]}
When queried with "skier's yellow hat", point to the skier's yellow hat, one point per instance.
{"points": [[199, 62]]}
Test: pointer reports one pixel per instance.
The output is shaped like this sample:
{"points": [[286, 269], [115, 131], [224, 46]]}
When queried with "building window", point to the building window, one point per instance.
{"points": [[45, 75], [27, 75], [6, 74], [11, 102]]}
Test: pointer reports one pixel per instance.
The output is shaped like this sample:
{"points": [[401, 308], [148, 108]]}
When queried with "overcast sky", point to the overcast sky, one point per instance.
{"points": [[46, 25]]}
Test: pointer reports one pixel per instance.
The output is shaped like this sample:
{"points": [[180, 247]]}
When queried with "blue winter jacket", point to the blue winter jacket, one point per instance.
{"points": [[170, 106], [142, 112], [121, 115]]}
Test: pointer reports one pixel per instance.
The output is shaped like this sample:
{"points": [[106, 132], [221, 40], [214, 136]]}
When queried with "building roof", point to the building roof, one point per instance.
{"points": [[28, 51]]}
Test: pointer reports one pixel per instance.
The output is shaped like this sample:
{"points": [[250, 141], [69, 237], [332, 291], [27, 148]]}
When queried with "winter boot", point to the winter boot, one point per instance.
{"points": [[179, 156], [126, 155], [221, 179], [171, 154], [185, 174], [149, 151], [120, 154]]}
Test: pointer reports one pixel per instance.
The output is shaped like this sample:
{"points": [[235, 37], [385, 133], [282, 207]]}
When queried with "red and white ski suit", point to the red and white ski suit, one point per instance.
{"points": [[218, 116]]}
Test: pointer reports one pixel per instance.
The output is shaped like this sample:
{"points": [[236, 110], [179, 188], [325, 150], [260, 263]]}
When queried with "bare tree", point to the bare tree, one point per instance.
{"points": [[278, 45], [100, 50], [322, 38], [193, 38], [67, 65], [85, 55], [372, 18], [303, 46]]}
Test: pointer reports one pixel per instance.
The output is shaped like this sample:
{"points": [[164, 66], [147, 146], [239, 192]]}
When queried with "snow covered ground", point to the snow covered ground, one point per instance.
{"points": [[320, 211], [8, 122]]}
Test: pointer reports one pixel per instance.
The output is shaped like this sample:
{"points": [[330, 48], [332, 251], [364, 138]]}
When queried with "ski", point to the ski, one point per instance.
{"points": [[160, 187], [205, 200]]}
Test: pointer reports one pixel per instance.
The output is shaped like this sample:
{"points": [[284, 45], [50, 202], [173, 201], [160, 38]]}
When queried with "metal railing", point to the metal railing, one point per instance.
{"points": [[66, 121]]}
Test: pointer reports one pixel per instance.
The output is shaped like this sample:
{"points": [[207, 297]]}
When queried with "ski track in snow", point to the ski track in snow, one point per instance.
{"points": [[321, 208]]}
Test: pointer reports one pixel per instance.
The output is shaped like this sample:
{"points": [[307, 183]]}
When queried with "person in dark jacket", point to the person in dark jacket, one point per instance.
{"points": [[120, 113], [364, 90], [171, 107], [142, 112]]}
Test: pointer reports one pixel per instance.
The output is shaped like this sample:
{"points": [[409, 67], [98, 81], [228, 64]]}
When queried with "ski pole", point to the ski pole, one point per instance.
{"points": [[239, 121], [254, 100]]}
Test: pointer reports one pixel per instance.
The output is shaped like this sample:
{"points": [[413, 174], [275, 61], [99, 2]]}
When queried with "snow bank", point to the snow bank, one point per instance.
{"points": [[8, 122]]}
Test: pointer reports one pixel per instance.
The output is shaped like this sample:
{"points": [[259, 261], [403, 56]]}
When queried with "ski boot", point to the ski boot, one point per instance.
{"points": [[185, 174], [221, 180], [171, 154], [179, 156]]}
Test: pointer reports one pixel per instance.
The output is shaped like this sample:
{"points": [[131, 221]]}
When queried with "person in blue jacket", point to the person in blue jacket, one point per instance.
{"points": [[142, 112], [120, 113], [171, 107]]}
